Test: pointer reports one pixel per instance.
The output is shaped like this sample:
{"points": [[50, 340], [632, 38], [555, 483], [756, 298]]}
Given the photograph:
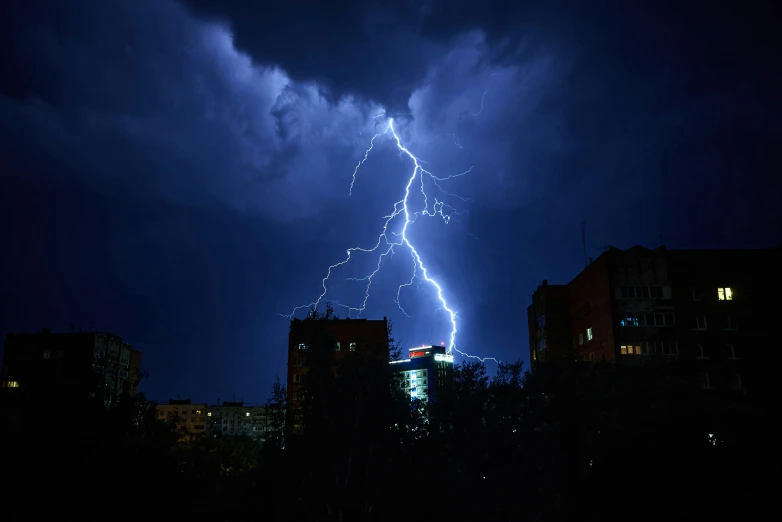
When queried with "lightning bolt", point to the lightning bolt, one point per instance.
{"points": [[483, 98], [387, 241]]}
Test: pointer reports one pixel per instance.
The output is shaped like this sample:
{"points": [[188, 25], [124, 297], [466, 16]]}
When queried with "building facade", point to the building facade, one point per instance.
{"points": [[426, 374], [330, 341], [548, 320], [704, 309], [238, 419], [189, 418], [725, 312], [76, 362]]}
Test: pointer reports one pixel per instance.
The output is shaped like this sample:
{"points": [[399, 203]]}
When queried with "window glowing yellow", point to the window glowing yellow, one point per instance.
{"points": [[725, 294]]}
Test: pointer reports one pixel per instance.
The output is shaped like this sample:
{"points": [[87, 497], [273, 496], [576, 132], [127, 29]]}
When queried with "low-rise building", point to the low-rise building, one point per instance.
{"points": [[238, 419], [189, 418]]}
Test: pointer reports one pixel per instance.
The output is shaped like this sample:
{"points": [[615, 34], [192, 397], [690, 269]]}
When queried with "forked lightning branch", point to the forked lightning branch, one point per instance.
{"points": [[388, 242]]}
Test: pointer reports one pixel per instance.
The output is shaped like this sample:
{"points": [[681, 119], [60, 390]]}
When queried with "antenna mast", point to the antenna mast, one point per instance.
{"points": [[584, 241]]}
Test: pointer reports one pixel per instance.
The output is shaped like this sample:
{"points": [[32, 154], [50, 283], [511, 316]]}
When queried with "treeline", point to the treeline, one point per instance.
{"points": [[569, 441]]}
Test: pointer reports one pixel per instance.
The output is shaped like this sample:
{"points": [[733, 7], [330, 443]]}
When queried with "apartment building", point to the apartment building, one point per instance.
{"points": [[548, 320], [330, 342], [238, 419], [704, 309], [189, 418], [73, 362]]}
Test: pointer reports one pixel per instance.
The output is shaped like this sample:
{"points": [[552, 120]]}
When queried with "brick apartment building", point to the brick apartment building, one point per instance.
{"points": [[359, 339], [65, 363], [705, 309]]}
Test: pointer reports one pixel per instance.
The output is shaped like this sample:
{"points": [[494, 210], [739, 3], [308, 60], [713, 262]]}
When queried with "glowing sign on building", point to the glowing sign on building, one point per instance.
{"points": [[443, 357], [417, 354]]}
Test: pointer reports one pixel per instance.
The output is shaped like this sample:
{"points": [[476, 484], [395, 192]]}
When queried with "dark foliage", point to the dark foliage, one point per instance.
{"points": [[570, 441]]}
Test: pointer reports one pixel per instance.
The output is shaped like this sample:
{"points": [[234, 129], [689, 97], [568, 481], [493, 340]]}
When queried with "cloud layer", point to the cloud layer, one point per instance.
{"points": [[179, 172]]}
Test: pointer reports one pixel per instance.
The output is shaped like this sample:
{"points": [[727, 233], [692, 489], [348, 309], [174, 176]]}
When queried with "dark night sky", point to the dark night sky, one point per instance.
{"points": [[177, 173]]}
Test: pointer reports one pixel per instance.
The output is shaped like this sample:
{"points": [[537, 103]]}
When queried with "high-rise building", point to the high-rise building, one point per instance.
{"points": [[189, 418], [704, 309], [427, 372], [75, 362], [333, 341], [238, 419]]}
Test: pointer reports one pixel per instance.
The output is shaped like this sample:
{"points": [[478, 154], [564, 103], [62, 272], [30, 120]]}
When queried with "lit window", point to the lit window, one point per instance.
{"points": [[209, 414], [629, 321], [336, 347], [589, 334], [630, 349], [247, 414], [725, 294], [353, 346], [13, 384], [303, 346]]}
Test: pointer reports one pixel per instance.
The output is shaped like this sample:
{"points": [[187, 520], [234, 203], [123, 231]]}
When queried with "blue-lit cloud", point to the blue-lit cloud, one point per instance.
{"points": [[185, 172]]}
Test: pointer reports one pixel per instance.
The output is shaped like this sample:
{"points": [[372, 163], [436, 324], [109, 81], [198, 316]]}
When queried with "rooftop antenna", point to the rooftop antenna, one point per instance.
{"points": [[584, 241]]}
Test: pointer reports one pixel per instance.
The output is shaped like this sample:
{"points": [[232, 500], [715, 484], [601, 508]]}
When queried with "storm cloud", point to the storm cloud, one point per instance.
{"points": [[179, 172]]}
